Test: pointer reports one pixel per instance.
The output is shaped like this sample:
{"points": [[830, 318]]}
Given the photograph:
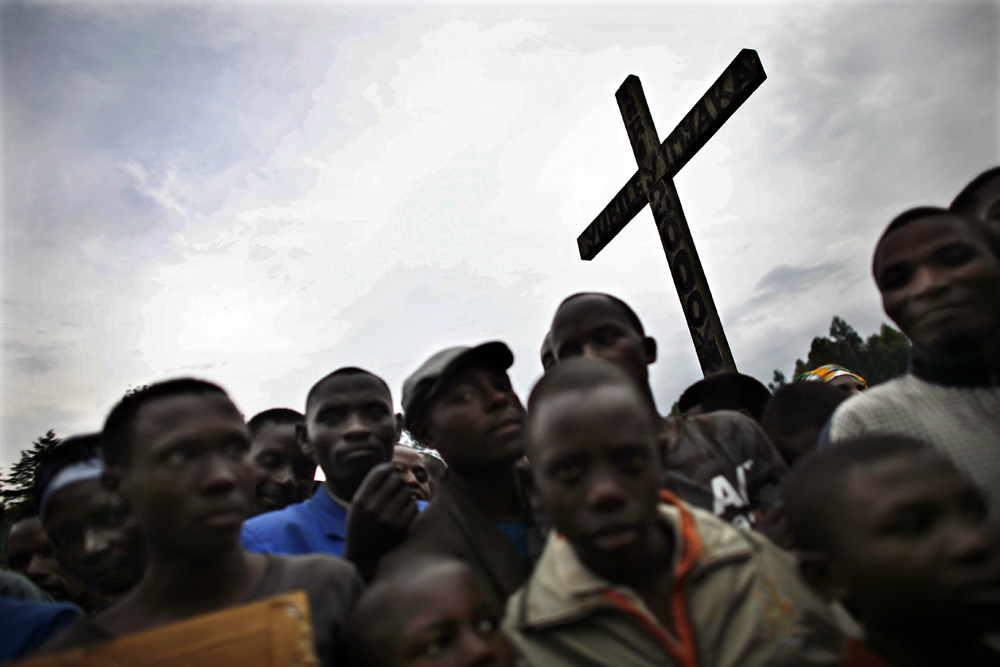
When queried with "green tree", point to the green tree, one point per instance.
{"points": [[883, 356], [16, 487], [777, 382]]}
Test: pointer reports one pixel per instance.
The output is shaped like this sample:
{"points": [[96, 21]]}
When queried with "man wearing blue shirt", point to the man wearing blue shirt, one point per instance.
{"points": [[350, 429]]}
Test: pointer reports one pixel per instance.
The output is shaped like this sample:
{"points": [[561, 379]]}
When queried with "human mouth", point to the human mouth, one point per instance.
{"points": [[223, 517], [359, 453], [614, 538], [508, 426]]}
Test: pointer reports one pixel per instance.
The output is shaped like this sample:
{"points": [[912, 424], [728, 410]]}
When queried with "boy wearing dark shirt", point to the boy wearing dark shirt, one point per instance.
{"points": [[721, 461], [461, 403], [889, 527], [433, 613], [177, 453]]}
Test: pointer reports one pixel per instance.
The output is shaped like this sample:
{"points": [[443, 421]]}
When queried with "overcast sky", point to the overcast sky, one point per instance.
{"points": [[259, 194]]}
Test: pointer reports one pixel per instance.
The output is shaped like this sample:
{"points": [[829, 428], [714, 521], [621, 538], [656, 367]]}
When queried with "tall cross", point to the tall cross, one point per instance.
{"points": [[653, 183]]}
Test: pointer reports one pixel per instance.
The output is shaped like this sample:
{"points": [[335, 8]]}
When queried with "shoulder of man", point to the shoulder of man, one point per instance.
{"points": [[266, 532], [873, 409]]}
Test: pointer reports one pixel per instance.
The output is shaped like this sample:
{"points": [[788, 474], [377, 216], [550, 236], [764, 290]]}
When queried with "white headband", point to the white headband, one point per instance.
{"points": [[74, 473]]}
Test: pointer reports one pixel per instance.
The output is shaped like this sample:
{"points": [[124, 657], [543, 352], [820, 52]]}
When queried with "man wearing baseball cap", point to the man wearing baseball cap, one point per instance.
{"points": [[461, 403]]}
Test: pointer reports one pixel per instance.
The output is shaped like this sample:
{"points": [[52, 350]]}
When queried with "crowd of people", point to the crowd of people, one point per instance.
{"points": [[827, 524]]}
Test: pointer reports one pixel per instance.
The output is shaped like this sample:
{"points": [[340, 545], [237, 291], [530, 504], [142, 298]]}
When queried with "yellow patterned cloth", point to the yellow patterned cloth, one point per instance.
{"points": [[828, 372]]}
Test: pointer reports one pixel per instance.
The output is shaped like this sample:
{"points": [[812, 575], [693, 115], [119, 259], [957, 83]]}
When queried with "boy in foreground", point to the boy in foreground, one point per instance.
{"points": [[889, 527], [631, 575], [177, 453], [434, 613]]}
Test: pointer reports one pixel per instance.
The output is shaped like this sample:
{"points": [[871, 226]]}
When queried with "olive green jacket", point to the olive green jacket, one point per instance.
{"points": [[737, 600]]}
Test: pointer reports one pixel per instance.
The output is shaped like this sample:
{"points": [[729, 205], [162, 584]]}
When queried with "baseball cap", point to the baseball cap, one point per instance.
{"points": [[424, 383]]}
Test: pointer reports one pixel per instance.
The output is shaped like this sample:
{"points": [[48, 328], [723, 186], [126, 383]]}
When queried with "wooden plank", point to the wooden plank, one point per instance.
{"points": [[739, 80], [692, 288]]}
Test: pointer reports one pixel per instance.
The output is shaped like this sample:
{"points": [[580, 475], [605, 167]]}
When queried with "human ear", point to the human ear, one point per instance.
{"points": [[649, 345], [399, 426], [302, 437]]}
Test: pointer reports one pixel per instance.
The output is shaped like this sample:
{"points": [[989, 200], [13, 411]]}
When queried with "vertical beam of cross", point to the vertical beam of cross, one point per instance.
{"points": [[652, 183], [710, 342]]}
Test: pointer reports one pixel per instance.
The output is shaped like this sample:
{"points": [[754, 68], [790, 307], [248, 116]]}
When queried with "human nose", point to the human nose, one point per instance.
{"points": [[284, 476], [592, 351], [928, 281], [356, 427], [221, 473], [604, 491], [497, 397]]}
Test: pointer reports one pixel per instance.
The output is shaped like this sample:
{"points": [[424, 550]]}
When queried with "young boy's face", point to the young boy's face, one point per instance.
{"points": [[476, 420], [95, 537], [912, 548], [444, 619], [350, 429], [189, 480], [594, 327], [595, 463]]}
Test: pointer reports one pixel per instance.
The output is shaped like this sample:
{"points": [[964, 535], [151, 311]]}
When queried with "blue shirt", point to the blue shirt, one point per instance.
{"points": [[317, 525], [27, 624]]}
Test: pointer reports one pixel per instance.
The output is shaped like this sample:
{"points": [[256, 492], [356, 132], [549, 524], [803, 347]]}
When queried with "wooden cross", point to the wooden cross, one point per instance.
{"points": [[653, 183]]}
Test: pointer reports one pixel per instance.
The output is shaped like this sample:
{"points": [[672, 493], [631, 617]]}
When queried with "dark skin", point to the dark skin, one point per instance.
{"points": [[95, 537], [283, 474], [31, 553], [190, 486], [595, 456], [476, 421], [435, 615], [913, 556], [415, 471], [350, 430], [940, 283]]}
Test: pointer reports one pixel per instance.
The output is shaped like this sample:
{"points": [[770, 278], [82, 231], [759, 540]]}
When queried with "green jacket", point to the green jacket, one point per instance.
{"points": [[737, 600]]}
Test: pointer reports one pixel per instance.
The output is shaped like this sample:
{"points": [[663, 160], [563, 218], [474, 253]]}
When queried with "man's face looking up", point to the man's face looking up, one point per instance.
{"points": [[594, 327]]}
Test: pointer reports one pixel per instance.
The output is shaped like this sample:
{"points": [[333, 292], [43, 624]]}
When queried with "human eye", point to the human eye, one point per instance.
{"points": [[954, 254], [270, 460], [376, 411], [420, 474], [181, 454], [332, 416], [64, 539], [606, 335], [894, 277], [435, 645], [567, 471], [632, 461], [910, 523], [460, 395]]}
